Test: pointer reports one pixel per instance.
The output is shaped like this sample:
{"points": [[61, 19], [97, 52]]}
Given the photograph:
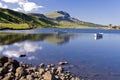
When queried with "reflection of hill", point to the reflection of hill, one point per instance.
{"points": [[9, 38], [58, 38]]}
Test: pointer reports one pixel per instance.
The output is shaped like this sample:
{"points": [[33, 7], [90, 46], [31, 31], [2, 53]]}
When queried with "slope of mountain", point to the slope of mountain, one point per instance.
{"points": [[64, 19], [59, 19], [10, 16]]}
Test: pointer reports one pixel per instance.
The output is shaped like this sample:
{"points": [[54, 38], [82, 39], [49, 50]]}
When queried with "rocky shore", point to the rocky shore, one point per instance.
{"points": [[11, 69]]}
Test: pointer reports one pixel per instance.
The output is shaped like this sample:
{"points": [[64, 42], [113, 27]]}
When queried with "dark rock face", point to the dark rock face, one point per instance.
{"points": [[65, 17], [10, 69], [63, 13]]}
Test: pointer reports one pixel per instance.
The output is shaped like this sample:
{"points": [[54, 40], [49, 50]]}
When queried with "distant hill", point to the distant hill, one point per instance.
{"points": [[10, 16], [58, 19], [64, 18]]}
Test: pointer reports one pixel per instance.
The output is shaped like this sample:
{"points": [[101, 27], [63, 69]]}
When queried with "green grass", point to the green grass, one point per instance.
{"points": [[65, 24], [54, 15], [13, 26]]}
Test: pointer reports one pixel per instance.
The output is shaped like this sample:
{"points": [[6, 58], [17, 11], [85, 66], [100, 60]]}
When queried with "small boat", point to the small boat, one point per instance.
{"points": [[98, 35]]}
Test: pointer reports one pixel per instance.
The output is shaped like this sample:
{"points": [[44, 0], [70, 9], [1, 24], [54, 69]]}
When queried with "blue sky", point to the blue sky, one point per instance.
{"points": [[96, 11]]}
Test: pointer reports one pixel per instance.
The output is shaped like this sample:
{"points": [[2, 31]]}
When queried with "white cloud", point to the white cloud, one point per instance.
{"points": [[11, 1], [24, 5], [29, 6], [17, 9], [3, 6]]}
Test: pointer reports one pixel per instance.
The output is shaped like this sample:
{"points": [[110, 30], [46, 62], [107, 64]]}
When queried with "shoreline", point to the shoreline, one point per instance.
{"points": [[11, 69]]}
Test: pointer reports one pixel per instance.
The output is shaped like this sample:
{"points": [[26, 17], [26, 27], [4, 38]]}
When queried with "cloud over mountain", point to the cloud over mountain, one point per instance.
{"points": [[23, 5], [3, 5]]}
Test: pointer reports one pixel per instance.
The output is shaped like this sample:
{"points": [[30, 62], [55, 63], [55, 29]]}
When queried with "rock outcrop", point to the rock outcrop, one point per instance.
{"points": [[11, 69]]}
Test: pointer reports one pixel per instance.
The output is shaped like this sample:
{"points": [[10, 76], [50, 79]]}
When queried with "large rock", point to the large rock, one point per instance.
{"points": [[42, 65], [60, 70], [48, 76], [41, 71], [7, 78], [20, 71], [3, 59], [30, 77], [14, 62], [63, 63], [3, 71]]}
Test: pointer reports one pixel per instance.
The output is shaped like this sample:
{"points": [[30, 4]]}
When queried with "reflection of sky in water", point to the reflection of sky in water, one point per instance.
{"points": [[91, 56], [17, 49]]}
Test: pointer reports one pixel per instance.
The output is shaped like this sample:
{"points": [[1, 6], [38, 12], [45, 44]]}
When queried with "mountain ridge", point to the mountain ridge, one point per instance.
{"points": [[10, 16], [64, 19], [57, 19], [67, 17]]}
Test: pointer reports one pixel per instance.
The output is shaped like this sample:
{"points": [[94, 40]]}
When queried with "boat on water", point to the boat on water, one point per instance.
{"points": [[98, 36]]}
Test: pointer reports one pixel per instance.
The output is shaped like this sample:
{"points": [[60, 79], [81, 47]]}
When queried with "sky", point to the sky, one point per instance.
{"points": [[97, 11]]}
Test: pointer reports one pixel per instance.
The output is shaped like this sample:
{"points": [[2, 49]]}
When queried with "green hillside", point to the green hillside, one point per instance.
{"points": [[10, 19], [65, 20], [17, 20]]}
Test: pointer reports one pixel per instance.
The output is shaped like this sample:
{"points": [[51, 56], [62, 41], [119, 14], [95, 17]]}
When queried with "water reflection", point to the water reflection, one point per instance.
{"points": [[91, 59], [9, 38], [59, 38], [20, 45], [20, 49]]}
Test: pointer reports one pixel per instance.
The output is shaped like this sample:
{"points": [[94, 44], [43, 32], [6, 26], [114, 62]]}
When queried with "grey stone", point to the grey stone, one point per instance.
{"points": [[63, 63], [48, 76]]}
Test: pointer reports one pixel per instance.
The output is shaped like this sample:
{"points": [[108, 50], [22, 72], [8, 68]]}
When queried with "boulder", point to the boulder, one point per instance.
{"points": [[3, 59], [42, 65], [41, 71], [63, 63], [48, 76], [20, 71], [60, 70]]}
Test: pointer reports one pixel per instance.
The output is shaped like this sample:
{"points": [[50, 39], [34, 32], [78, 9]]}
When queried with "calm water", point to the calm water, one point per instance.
{"points": [[90, 58]]}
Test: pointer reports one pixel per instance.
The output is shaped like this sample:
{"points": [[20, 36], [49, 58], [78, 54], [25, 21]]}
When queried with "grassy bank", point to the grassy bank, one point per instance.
{"points": [[13, 26]]}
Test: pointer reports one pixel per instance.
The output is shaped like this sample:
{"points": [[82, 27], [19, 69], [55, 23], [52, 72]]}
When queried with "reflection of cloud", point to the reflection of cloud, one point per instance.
{"points": [[28, 47], [31, 48], [3, 47], [21, 49], [31, 57], [11, 53], [17, 44]]}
